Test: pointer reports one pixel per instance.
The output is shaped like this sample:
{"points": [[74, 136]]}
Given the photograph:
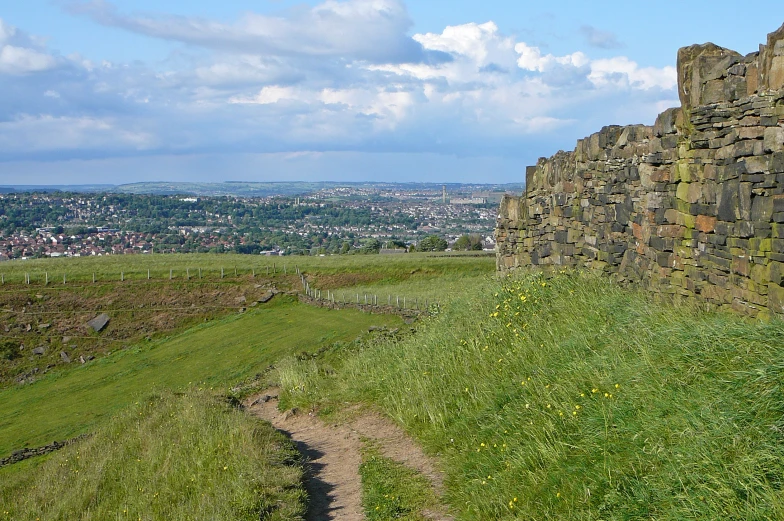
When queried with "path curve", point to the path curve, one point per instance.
{"points": [[333, 453]]}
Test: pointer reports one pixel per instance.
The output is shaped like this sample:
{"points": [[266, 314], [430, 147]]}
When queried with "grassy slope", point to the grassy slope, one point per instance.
{"points": [[214, 354], [170, 457], [572, 398], [391, 267]]}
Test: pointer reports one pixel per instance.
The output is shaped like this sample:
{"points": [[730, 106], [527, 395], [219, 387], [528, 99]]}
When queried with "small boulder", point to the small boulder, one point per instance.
{"points": [[240, 300], [266, 297], [64, 356], [99, 323], [66, 339], [82, 360], [44, 326], [40, 350]]}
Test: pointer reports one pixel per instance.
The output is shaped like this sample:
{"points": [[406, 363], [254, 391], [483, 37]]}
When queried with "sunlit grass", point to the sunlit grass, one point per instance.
{"points": [[174, 457], [216, 354], [571, 398]]}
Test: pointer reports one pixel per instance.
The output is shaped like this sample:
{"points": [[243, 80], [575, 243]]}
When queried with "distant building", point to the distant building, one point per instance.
{"points": [[391, 251], [469, 200]]}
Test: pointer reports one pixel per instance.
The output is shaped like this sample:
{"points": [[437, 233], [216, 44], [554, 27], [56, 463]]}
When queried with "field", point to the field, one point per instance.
{"points": [[544, 396], [183, 327]]}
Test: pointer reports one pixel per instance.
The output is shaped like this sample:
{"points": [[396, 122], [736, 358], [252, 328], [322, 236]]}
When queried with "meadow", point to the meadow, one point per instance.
{"points": [[568, 397], [544, 396]]}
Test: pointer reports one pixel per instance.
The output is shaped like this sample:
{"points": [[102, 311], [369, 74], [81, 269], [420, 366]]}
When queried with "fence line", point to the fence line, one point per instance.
{"points": [[367, 299], [43, 278], [401, 302]]}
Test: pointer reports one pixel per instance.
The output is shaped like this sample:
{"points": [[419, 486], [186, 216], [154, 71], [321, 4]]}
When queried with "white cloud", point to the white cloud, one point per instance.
{"points": [[357, 29], [343, 75], [18, 60], [18, 52], [621, 71], [51, 133]]}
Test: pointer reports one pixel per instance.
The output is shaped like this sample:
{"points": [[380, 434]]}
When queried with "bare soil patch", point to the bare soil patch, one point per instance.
{"points": [[333, 452]]}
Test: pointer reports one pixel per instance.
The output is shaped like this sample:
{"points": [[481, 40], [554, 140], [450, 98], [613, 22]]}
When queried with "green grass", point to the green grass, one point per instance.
{"points": [[173, 457], [571, 398], [215, 354], [391, 490], [135, 267]]}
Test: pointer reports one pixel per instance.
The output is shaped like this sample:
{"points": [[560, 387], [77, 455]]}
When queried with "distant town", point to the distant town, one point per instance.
{"points": [[353, 219]]}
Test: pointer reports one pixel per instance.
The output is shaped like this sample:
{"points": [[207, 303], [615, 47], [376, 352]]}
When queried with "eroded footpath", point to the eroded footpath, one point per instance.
{"points": [[333, 452]]}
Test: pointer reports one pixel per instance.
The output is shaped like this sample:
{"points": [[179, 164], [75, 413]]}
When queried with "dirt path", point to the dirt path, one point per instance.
{"points": [[333, 452]]}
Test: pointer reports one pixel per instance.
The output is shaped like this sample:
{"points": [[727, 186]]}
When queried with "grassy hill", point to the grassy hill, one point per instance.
{"points": [[571, 398], [545, 397]]}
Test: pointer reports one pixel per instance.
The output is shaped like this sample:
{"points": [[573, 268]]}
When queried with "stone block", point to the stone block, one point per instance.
{"points": [[756, 164], [751, 132], [705, 223], [683, 191], [776, 298], [99, 323], [762, 208], [670, 230], [777, 163], [774, 139], [732, 170]]}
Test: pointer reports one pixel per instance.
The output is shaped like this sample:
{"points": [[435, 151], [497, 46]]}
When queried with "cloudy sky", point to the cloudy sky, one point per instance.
{"points": [[116, 91]]}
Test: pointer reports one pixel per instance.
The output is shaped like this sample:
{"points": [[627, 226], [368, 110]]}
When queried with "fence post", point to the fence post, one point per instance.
{"points": [[122, 276], [221, 271], [235, 271], [170, 273], [253, 273], [148, 274], [2, 278], [284, 269], [357, 298], [187, 274], [63, 279], [404, 302], [46, 282], [199, 273], [267, 271], [397, 301], [93, 277]]}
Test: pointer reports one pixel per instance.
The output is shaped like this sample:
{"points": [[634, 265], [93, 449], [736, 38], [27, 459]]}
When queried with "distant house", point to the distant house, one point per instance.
{"points": [[391, 251]]}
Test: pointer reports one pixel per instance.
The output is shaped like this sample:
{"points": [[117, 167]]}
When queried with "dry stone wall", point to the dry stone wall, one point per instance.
{"points": [[693, 205]]}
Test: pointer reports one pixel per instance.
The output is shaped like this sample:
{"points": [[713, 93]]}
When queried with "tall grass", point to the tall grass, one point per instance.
{"points": [[173, 457], [571, 398]]}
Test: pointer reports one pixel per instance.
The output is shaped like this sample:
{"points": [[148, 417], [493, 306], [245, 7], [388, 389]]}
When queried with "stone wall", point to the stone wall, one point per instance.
{"points": [[693, 205]]}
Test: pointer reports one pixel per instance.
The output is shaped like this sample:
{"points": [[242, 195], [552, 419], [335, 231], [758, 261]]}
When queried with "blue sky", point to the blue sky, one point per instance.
{"points": [[461, 90]]}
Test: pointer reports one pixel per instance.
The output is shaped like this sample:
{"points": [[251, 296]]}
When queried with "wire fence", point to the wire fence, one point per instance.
{"points": [[213, 274]]}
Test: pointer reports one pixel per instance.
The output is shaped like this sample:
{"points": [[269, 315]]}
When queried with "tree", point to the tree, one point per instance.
{"points": [[468, 242], [432, 243], [462, 243]]}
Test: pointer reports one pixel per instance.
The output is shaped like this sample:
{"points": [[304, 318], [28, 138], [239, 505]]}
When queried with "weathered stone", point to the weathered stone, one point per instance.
{"points": [[776, 298], [774, 139], [99, 323], [706, 223], [64, 357], [40, 350]]}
